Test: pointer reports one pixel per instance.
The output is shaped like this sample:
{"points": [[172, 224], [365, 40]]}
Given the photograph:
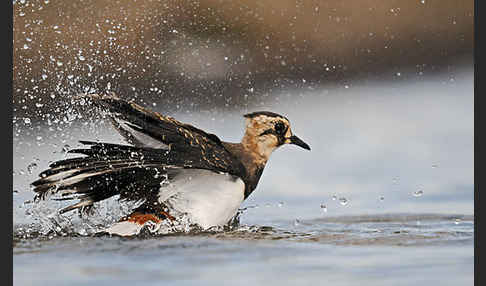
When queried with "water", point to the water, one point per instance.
{"points": [[374, 250], [385, 197]]}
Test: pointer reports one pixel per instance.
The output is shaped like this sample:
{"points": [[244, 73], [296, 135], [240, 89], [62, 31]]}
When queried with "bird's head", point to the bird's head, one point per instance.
{"points": [[266, 131]]}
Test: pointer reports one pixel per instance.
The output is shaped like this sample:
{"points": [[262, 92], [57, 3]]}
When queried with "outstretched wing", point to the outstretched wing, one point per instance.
{"points": [[145, 128], [107, 170], [164, 147], [134, 173]]}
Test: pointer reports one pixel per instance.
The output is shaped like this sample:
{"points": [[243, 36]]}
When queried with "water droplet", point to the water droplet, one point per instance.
{"points": [[399, 74], [334, 197], [457, 221], [343, 201], [81, 58], [382, 198], [422, 1], [27, 120], [44, 76], [26, 47], [296, 222], [65, 148], [418, 193], [59, 64], [31, 167], [323, 208], [280, 204]]}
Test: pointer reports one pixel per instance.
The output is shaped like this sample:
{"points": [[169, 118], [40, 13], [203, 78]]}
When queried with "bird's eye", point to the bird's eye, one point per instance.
{"points": [[279, 128]]}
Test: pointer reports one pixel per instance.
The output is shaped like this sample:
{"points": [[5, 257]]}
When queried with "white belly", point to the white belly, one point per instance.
{"points": [[209, 198]]}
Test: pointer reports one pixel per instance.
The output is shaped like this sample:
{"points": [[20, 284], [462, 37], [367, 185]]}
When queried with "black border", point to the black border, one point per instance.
{"points": [[7, 220]]}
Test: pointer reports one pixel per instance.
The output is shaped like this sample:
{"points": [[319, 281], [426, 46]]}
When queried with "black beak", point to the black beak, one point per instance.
{"points": [[296, 140]]}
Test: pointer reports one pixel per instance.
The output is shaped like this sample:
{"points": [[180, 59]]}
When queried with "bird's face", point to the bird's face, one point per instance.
{"points": [[266, 131]]}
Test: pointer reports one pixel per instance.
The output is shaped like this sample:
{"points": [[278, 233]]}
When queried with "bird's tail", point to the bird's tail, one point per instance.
{"points": [[134, 173]]}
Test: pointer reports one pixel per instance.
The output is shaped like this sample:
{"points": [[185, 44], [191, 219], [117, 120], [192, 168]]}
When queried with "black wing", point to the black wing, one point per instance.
{"points": [[145, 128], [107, 170], [134, 172]]}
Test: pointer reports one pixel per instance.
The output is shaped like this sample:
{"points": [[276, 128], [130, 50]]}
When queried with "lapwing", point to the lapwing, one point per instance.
{"points": [[170, 167]]}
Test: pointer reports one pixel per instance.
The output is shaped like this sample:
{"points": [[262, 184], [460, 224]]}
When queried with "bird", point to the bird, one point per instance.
{"points": [[172, 169]]}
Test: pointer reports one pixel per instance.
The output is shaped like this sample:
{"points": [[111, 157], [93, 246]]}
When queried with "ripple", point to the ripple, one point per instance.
{"points": [[388, 229]]}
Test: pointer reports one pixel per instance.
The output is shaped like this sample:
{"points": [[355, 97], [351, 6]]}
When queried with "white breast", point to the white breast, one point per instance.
{"points": [[209, 198]]}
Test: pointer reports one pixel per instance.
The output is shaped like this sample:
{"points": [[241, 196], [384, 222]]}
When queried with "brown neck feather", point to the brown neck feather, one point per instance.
{"points": [[253, 162]]}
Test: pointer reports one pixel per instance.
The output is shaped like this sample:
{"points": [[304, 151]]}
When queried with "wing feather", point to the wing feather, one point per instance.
{"points": [[163, 147], [107, 170], [146, 128]]}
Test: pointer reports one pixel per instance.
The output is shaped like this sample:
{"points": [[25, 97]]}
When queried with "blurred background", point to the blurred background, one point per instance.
{"points": [[226, 54], [381, 90]]}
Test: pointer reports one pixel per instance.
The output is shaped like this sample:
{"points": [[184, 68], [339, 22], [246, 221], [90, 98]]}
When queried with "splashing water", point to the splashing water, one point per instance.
{"points": [[418, 193], [343, 201]]}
